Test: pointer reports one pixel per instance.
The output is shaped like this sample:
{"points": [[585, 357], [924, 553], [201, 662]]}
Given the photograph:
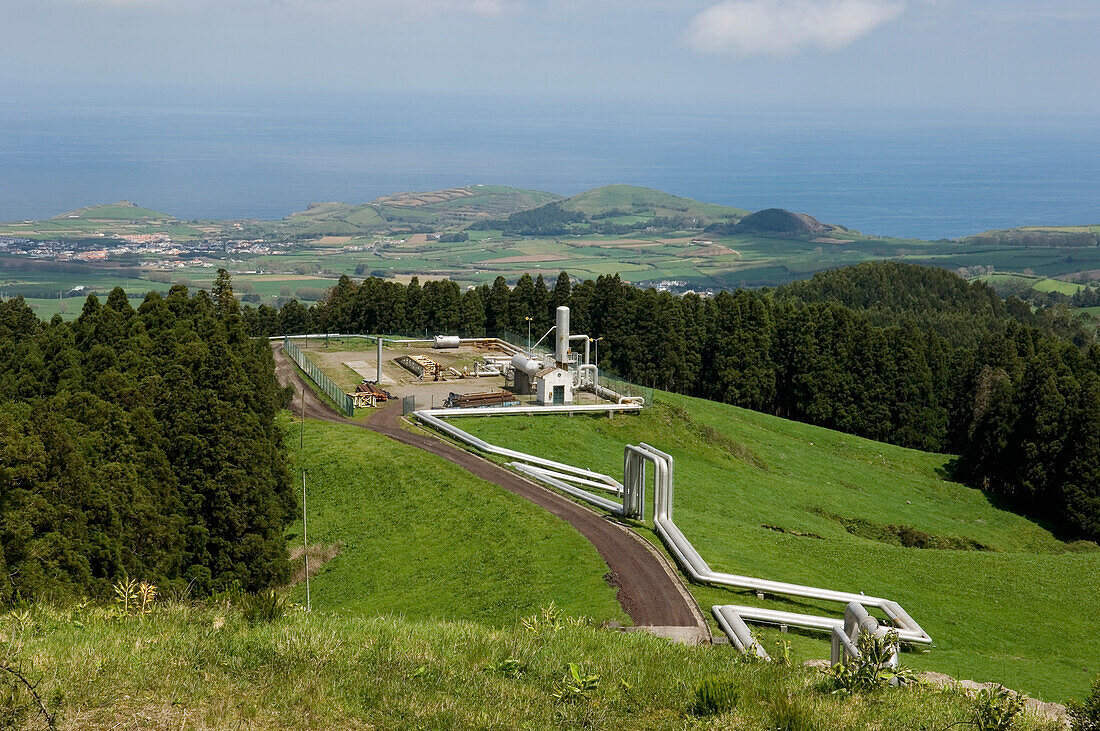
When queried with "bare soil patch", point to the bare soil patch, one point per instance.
{"points": [[526, 259], [319, 555]]}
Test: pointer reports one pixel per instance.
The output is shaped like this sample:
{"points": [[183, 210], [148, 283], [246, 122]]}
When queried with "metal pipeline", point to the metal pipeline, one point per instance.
{"points": [[698, 569], [730, 617]]}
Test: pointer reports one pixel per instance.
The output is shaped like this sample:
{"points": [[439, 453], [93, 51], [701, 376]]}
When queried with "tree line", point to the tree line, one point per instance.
{"points": [[911, 355], [139, 442]]}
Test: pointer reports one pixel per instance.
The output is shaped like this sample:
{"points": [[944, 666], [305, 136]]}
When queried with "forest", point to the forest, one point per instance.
{"points": [[140, 443], [914, 356]]}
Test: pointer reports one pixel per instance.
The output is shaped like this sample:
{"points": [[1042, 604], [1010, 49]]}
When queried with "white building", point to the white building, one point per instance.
{"points": [[554, 386]]}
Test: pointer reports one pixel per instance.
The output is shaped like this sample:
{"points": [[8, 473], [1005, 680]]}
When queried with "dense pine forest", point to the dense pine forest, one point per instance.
{"points": [[910, 355], [139, 443]]}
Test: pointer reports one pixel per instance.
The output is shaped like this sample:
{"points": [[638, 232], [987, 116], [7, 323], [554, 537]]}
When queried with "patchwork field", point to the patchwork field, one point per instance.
{"points": [[1002, 597]]}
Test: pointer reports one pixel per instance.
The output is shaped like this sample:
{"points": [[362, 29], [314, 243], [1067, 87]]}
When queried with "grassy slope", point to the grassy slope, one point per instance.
{"points": [[206, 668], [425, 539], [121, 211], [1021, 614], [628, 197]]}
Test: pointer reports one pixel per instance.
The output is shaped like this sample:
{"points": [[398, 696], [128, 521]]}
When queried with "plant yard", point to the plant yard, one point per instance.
{"points": [[178, 666], [1002, 597]]}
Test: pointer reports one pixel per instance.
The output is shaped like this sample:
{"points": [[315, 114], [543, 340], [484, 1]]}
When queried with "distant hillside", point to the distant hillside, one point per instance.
{"points": [[1052, 236], [616, 210], [121, 211], [429, 211], [776, 222], [633, 200]]}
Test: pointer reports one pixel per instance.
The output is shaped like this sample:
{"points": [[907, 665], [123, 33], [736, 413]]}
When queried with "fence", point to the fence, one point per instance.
{"points": [[626, 388], [343, 402]]}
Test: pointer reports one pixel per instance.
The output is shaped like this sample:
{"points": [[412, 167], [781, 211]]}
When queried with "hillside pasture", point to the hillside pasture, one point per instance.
{"points": [[763, 496]]}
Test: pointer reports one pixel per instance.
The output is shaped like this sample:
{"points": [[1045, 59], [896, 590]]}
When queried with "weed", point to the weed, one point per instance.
{"points": [[263, 606], [133, 597], [996, 709], [870, 671], [782, 656], [577, 686], [548, 619], [713, 696], [790, 715], [1086, 716], [509, 668]]}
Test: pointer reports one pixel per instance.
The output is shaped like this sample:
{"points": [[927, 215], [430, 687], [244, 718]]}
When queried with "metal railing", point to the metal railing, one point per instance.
{"points": [[343, 401]]}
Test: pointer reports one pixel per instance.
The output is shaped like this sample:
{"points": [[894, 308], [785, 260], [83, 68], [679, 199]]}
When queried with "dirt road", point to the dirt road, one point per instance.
{"points": [[649, 591]]}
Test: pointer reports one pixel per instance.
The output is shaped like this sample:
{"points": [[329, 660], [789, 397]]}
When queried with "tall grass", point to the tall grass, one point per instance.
{"points": [[200, 667]]}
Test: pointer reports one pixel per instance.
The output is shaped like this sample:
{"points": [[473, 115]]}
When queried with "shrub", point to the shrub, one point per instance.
{"points": [[996, 709], [713, 696], [264, 606], [870, 671], [1086, 716]]}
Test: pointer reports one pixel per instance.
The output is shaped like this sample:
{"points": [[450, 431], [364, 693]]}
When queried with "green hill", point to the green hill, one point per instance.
{"points": [[121, 211], [763, 496], [424, 539], [634, 200], [433, 209]]}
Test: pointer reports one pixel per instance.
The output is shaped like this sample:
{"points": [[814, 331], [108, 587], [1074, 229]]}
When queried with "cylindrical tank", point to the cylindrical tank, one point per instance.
{"points": [[446, 341], [561, 352], [522, 363]]}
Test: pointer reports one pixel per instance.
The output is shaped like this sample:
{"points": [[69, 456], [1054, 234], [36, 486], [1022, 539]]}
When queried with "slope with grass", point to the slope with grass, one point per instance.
{"points": [[425, 539], [121, 211], [646, 202], [194, 667], [1003, 598]]}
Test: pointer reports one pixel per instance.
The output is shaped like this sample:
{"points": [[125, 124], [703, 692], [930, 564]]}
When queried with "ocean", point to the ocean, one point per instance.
{"points": [[913, 174]]}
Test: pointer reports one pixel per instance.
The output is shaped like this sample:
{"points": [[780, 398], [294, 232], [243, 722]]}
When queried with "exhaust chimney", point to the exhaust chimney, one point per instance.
{"points": [[561, 353]]}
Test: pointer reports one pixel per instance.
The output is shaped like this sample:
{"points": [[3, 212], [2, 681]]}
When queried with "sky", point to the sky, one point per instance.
{"points": [[986, 56]]}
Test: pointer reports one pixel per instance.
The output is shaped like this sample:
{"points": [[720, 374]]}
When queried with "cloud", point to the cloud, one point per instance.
{"points": [[783, 27]]}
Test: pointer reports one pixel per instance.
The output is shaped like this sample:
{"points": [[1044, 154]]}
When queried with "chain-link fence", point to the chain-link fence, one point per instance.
{"points": [[626, 388], [343, 401]]}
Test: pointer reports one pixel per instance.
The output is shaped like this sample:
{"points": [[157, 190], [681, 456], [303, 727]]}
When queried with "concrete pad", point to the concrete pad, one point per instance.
{"points": [[682, 635], [368, 370]]}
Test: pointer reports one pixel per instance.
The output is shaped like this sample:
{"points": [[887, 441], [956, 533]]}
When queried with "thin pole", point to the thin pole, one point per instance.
{"points": [[302, 456], [305, 539]]}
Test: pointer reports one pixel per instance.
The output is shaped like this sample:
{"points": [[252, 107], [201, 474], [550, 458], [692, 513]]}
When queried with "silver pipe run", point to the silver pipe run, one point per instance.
{"points": [[730, 617]]}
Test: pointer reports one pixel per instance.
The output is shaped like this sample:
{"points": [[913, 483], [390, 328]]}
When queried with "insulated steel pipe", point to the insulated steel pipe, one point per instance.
{"points": [[731, 618]]}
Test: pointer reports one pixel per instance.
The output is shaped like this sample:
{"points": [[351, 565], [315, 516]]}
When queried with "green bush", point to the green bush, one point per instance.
{"points": [[713, 696], [264, 606], [1086, 716], [996, 709], [870, 671]]}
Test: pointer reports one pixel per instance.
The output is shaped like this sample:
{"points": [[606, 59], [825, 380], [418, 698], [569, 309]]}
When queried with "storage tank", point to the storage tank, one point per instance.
{"points": [[522, 363], [446, 341], [561, 352]]}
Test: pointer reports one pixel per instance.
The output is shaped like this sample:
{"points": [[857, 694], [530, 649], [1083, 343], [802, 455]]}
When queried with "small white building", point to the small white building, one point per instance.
{"points": [[554, 386]]}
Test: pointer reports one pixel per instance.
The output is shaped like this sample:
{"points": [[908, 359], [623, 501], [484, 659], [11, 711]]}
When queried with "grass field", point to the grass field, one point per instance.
{"points": [[1019, 611], [184, 667], [424, 539]]}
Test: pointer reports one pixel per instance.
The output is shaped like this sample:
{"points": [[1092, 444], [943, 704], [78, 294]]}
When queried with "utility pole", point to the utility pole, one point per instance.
{"points": [[528, 334], [305, 534], [305, 540]]}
